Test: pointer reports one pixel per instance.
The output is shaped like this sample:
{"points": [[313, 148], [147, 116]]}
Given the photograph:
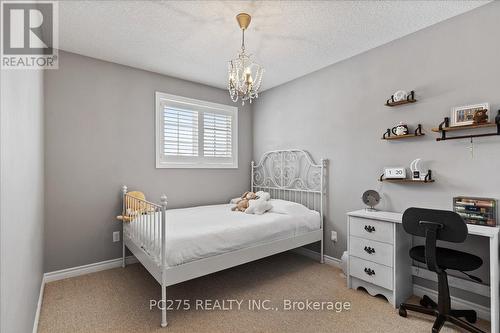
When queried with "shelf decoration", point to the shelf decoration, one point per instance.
{"points": [[469, 114], [427, 179], [388, 134], [481, 211], [445, 127], [400, 98]]}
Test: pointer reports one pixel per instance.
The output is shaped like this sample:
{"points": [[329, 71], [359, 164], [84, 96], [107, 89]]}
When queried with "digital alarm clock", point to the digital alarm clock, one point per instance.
{"points": [[398, 173]]}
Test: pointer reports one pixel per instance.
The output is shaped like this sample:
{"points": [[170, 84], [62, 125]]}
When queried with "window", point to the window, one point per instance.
{"points": [[217, 140], [195, 134]]}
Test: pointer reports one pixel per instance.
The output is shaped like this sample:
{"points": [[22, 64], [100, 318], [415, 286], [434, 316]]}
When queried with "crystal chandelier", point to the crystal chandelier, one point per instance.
{"points": [[245, 75]]}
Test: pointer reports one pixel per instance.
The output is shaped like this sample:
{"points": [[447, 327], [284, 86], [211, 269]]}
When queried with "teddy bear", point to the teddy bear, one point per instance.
{"points": [[243, 203], [480, 117], [135, 207], [260, 205]]}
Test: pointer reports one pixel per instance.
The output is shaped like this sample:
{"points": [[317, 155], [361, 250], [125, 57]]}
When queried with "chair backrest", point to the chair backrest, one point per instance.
{"points": [[452, 227]]}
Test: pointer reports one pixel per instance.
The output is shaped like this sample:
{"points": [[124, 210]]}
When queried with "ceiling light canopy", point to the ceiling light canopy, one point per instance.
{"points": [[245, 75]]}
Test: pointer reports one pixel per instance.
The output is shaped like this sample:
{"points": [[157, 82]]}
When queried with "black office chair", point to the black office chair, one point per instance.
{"points": [[447, 226]]}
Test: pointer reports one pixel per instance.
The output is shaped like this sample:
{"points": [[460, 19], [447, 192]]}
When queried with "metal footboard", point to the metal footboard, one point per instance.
{"points": [[145, 224]]}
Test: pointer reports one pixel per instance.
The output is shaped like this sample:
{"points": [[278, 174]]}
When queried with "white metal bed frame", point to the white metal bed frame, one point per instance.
{"points": [[286, 174]]}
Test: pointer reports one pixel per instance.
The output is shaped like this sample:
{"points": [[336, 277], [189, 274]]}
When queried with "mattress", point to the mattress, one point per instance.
{"points": [[200, 232]]}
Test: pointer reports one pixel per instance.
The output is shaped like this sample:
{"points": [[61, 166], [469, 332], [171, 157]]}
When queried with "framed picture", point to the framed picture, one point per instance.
{"points": [[464, 115]]}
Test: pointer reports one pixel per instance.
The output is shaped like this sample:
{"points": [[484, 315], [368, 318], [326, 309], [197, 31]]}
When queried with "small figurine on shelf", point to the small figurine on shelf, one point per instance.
{"points": [[399, 96], [480, 117], [417, 170], [400, 129]]}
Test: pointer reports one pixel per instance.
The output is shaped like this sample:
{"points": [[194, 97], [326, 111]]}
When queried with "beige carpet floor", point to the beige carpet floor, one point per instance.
{"points": [[117, 300]]}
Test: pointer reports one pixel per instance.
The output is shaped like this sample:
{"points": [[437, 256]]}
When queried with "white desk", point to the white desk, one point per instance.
{"points": [[492, 233]]}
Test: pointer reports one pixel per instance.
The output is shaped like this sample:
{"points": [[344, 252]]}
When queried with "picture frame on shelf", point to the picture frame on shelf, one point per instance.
{"points": [[464, 115]]}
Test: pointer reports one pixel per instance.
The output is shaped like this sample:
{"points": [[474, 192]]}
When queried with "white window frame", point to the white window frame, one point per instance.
{"points": [[199, 161]]}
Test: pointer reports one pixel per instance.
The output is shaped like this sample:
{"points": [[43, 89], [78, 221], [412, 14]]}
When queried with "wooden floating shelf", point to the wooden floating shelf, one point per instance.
{"points": [[406, 136], [407, 181], [387, 135], [445, 127], [400, 102], [464, 127]]}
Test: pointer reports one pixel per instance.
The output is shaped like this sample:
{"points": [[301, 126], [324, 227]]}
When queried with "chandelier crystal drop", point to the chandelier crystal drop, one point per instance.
{"points": [[244, 75]]}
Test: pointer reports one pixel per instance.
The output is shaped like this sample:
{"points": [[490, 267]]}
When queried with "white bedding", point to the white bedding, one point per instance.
{"points": [[204, 231]]}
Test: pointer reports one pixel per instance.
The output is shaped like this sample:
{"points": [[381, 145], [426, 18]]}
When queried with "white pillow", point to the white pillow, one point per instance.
{"points": [[263, 195], [288, 207]]}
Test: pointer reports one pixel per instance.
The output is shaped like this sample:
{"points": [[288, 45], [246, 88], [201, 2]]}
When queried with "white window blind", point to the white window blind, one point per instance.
{"points": [[180, 132], [195, 134], [217, 135]]}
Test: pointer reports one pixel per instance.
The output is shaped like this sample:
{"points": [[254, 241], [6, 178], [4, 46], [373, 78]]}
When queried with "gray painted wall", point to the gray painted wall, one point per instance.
{"points": [[99, 134], [21, 198], [338, 113]]}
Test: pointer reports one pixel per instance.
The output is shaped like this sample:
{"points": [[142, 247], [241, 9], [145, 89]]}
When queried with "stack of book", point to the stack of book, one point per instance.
{"points": [[481, 211]]}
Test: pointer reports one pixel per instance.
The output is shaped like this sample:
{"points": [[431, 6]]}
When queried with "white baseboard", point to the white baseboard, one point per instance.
{"points": [[315, 255], [39, 306], [483, 312], [86, 269], [114, 263], [72, 272]]}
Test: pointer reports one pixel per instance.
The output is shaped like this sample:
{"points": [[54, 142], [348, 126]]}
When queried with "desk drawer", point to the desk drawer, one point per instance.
{"points": [[371, 229], [377, 274], [371, 250]]}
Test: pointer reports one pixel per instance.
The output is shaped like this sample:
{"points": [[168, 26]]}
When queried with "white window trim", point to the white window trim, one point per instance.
{"points": [[197, 162]]}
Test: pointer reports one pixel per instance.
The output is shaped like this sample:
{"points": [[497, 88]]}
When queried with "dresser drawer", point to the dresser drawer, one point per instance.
{"points": [[371, 229], [371, 250], [377, 274]]}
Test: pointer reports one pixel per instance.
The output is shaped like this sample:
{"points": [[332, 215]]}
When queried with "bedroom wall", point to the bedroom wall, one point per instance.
{"points": [[338, 113], [21, 198], [99, 134]]}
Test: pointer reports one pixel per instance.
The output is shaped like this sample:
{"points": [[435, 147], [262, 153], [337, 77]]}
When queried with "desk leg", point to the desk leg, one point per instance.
{"points": [[494, 285]]}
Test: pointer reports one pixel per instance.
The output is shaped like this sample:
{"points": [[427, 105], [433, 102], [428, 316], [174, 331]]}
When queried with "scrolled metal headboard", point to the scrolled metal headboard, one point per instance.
{"points": [[291, 175]]}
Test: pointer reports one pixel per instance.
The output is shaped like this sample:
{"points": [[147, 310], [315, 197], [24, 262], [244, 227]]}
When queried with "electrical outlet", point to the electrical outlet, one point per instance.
{"points": [[116, 236], [334, 236]]}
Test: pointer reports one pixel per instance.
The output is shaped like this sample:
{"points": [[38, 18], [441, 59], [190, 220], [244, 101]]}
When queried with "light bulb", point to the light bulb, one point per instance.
{"points": [[248, 78]]}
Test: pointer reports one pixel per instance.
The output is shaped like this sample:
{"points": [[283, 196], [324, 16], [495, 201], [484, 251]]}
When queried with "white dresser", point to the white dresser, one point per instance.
{"points": [[378, 255]]}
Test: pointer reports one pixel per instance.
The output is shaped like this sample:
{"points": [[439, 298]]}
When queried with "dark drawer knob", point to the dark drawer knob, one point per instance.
{"points": [[369, 228], [369, 250], [369, 271]]}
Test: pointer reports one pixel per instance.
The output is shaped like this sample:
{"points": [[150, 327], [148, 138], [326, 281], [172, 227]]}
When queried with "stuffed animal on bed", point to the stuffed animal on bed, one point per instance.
{"points": [[243, 202], [260, 205], [134, 207]]}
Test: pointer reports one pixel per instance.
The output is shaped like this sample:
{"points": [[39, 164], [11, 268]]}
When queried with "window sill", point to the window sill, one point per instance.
{"points": [[173, 165]]}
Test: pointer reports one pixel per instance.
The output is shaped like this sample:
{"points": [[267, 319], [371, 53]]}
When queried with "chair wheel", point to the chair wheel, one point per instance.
{"points": [[402, 312], [472, 318]]}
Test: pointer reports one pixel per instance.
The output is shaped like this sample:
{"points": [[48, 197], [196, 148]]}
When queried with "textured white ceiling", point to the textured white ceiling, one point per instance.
{"points": [[194, 40]]}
